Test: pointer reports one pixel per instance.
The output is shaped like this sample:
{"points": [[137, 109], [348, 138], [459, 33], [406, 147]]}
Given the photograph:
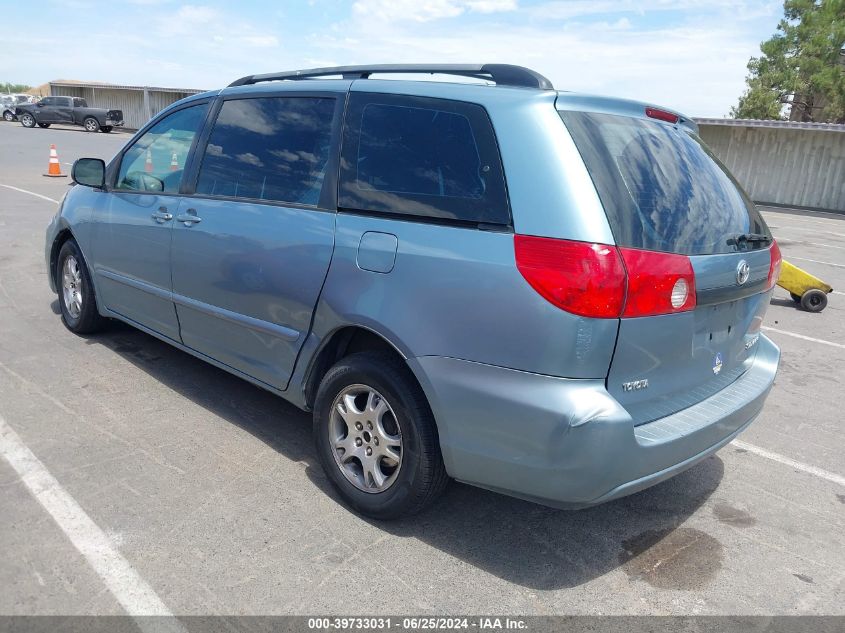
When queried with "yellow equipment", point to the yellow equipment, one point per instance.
{"points": [[810, 292]]}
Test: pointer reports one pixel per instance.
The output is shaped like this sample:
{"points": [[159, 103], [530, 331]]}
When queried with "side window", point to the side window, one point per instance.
{"points": [[49, 101], [423, 157], [155, 161], [79, 103], [269, 148]]}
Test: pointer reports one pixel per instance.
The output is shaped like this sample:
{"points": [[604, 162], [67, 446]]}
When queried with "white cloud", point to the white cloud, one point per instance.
{"points": [[492, 6], [695, 68], [426, 11], [684, 54]]}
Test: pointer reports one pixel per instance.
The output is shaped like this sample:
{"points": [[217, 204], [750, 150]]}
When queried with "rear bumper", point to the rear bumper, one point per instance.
{"points": [[569, 443]]}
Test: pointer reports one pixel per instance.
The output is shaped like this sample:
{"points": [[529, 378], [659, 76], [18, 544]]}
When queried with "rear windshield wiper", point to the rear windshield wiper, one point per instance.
{"points": [[749, 238]]}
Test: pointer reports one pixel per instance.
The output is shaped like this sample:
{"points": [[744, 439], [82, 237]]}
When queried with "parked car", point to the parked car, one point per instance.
{"points": [[68, 111], [550, 295], [8, 103]]}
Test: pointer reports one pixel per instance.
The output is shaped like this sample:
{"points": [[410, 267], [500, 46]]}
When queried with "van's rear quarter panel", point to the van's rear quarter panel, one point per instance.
{"points": [[456, 292]]}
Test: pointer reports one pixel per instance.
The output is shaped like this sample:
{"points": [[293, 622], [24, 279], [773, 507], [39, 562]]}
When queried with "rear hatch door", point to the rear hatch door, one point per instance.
{"points": [[664, 191]]}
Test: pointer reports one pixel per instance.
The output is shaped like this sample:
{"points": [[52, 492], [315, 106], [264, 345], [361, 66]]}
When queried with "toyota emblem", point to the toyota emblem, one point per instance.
{"points": [[743, 270]]}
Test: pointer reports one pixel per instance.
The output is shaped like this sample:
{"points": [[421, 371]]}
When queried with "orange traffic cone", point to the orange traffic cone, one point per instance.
{"points": [[54, 170], [148, 165], [174, 163]]}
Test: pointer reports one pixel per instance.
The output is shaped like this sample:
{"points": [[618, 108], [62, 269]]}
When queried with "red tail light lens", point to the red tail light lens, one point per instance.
{"points": [[774, 265], [579, 277], [605, 282], [658, 283]]}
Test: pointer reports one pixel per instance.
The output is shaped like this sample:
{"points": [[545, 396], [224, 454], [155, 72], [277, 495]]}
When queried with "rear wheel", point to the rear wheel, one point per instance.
{"points": [[814, 300], [27, 120], [76, 292], [376, 437], [44, 125], [106, 129], [91, 124]]}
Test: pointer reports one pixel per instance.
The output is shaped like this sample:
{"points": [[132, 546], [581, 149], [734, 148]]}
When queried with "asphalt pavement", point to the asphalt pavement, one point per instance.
{"points": [[136, 477]]}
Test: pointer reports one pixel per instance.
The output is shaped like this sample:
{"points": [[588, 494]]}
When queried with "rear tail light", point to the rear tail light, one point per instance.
{"points": [[774, 265], [603, 281], [579, 277], [657, 282]]}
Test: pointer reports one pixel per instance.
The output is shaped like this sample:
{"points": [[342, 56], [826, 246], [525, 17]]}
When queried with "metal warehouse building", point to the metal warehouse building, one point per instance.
{"points": [[139, 103], [782, 162]]}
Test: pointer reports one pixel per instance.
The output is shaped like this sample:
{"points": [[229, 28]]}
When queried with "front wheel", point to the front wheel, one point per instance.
{"points": [[8, 116], [27, 120], [90, 124], [376, 437], [44, 125], [76, 292]]}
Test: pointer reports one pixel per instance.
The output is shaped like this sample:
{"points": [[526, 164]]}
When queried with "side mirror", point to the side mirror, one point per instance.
{"points": [[90, 172]]}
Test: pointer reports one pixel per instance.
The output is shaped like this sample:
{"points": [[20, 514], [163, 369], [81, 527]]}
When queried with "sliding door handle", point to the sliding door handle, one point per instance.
{"points": [[189, 218], [162, 215]]}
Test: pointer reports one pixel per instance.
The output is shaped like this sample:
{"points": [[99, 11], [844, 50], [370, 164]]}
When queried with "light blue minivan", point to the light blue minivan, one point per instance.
{"points": [[550, 295]]}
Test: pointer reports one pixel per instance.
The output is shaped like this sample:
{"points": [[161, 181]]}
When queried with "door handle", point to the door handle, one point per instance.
{"points": [[162, 215], [189, 218]]}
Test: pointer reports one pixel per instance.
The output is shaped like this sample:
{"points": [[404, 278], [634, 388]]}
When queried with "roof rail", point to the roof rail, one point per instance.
{"points": [[501, 74]]}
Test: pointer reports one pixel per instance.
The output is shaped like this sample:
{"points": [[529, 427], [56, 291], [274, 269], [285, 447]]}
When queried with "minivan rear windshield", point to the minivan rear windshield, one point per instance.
{"points": [[661, 188]]}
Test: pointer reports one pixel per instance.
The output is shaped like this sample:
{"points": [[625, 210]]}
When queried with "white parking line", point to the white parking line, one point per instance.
{"points": [[788, 242], [777, 457], [805, 228], [816, 261], [32, 193], [125, 584], [801, 336]]}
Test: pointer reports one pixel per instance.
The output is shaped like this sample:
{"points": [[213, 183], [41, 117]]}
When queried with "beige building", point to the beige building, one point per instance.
{"points": [[139, 103]]}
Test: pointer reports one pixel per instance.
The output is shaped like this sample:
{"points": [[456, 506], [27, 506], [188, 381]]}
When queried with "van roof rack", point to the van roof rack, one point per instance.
{"points": [[501, 74]]}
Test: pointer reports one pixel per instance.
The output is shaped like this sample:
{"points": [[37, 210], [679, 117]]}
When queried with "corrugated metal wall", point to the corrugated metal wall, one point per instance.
{"points": [[129, 100], [799, 168]]}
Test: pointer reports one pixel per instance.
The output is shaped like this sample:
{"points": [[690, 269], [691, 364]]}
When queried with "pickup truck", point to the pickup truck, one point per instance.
{"points": [[68, 111]]}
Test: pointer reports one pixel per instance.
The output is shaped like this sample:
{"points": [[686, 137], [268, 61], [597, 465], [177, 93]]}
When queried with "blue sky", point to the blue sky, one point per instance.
{"points": [[686, 54]]}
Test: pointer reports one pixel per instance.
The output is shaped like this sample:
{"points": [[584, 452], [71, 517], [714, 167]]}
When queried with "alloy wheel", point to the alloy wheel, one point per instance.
{"points": [[72, 287], [365, 438]]}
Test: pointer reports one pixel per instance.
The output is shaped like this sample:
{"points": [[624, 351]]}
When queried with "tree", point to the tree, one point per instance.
{"points": [[802, 66], [6, 88]]}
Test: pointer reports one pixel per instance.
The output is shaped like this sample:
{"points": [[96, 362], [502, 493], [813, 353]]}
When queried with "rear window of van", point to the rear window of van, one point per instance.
{"points": [[661, 187]]}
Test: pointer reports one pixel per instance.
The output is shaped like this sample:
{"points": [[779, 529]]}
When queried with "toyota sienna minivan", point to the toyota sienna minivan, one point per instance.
{"points": [[550, 295]]}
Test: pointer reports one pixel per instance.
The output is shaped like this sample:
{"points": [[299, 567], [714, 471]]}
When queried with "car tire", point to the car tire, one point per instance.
{"points": [[44, 125], [388, 415], [77, 300], [91, 124], [106, 129], [814, 300], [8, 116], [28, 120]]}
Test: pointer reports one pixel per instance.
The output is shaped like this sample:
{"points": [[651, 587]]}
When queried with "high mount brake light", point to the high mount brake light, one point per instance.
{"points": [[603, 281], [662, 115]]}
